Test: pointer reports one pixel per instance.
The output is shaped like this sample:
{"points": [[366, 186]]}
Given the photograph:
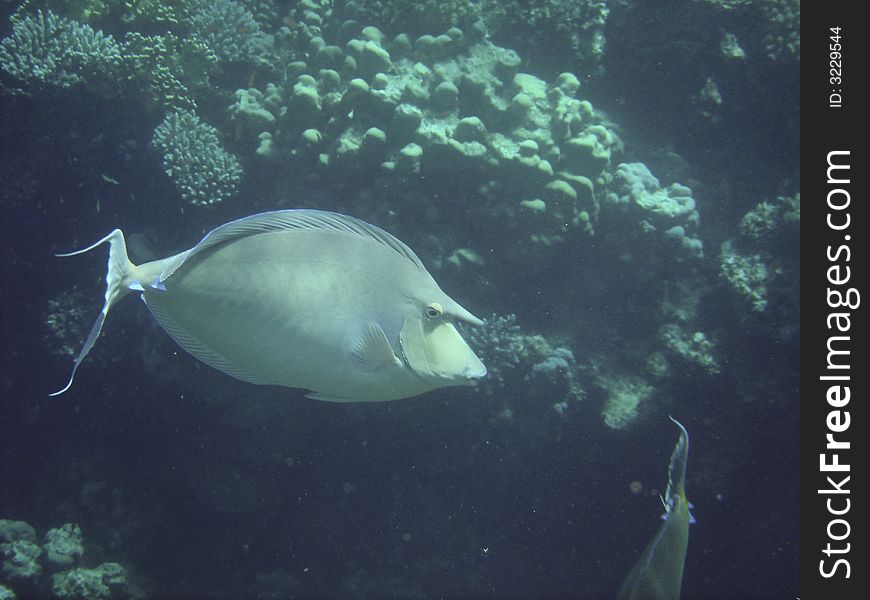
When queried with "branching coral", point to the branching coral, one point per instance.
{"points": [[203, 172], [52, 50], [226, 27], [169, 70], [513, 358]]}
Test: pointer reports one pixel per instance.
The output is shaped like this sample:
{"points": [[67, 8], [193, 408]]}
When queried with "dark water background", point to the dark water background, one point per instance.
{"points": [[205, 486]]}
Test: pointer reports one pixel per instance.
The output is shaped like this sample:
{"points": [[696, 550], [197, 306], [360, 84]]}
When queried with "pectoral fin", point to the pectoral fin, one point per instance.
{"points": [[372, 351]]}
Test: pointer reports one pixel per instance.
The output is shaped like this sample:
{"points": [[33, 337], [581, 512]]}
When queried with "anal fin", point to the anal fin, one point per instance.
{"points": [[325, 398]]}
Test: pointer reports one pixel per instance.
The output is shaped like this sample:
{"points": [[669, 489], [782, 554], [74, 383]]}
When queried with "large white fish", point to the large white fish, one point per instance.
{"points": [[305, 299]]}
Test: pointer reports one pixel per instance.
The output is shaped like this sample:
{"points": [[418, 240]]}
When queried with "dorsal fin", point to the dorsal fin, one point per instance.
{"points": [[677, 467], [298, 219]]}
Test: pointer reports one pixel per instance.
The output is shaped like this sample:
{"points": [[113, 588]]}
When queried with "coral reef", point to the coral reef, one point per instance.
{"points": [[11, 531], [20, 560], [158, 61], [167, 71], [759, 258], [105, 582], [626, 396], [226, 27], [499, 343], [26, 566], [63, 546], [782, 25], [515, 358], [667, 215], [768, 219], [202, 171], [747, 275], [46, 49], [451, 109], [693, 347]]}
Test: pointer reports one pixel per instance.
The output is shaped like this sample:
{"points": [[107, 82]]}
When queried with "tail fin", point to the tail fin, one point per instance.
{"points": [[118, 269]]}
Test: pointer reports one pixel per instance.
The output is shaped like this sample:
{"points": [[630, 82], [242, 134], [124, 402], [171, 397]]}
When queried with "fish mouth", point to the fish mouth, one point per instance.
{"points": [[469, 376], [473, 373]]}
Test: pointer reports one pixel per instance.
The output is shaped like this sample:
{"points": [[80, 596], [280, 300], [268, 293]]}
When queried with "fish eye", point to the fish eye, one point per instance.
{"points": [[434, 310]]}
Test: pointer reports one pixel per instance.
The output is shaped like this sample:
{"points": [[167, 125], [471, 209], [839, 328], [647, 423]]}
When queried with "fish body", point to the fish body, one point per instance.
{"points": [[305, 299], [658, 573]]}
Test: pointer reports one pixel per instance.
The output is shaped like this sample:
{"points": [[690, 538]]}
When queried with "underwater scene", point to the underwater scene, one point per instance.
{"points": [[441, 299]]}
